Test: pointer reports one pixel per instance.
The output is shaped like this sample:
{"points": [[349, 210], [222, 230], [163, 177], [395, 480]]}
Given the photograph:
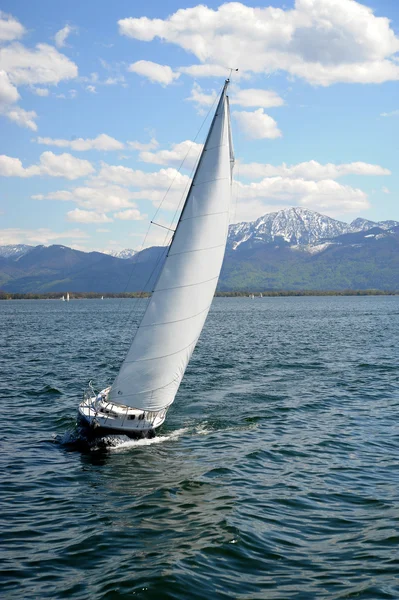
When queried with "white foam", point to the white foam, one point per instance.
{"points": [[202, 430], [128, 444]]}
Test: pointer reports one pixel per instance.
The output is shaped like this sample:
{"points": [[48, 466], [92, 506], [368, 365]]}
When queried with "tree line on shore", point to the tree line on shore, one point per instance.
{"points": [[266, 293]]}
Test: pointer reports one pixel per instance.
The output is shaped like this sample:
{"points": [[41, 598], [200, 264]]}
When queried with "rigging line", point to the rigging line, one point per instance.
{"points": [[185, 196], [163, 226], [141, 296], [222, 95], [161, 256], [236, 188], [159, 207], [221, 100], [183, 199], [187, 153]]}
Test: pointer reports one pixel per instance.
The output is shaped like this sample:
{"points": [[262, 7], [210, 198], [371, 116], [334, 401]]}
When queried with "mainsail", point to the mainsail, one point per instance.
{"points": [[164, 342]]}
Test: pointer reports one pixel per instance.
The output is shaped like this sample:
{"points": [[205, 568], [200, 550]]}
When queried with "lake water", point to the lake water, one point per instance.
{"points": [[276, 475]]}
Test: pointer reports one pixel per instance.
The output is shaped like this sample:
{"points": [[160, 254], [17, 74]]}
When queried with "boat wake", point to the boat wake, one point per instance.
{"points": [[158, 439], [78, 439]]}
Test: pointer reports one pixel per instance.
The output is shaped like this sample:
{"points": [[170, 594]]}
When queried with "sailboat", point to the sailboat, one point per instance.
{"points": [[149, 378], [67, 298], [62, 299]]}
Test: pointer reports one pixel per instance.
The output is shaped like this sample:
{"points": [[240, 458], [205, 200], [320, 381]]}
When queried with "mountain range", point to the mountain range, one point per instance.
{"points": [[292, 249]]}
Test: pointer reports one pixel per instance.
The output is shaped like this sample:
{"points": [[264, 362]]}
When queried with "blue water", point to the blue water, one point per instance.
{"points": [[276, 475]]}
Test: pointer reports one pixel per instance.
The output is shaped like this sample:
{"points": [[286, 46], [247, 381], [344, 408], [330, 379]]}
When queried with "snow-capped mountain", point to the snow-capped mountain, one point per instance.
{"points": [[14, 251], [365, 224], [303, 229], [124, 254], [296, 227], [293, 226]]}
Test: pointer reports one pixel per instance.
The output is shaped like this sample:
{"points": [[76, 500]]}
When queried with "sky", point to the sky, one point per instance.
{"points": [[101, 102]]}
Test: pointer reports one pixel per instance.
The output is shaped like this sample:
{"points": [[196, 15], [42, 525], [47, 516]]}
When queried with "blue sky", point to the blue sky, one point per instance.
{"points": [[101, 101]]}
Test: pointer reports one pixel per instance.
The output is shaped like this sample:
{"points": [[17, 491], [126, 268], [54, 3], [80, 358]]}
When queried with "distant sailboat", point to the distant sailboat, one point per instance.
{"points": [[67, 298], [102, 297], [150, 376], [63, 298]]}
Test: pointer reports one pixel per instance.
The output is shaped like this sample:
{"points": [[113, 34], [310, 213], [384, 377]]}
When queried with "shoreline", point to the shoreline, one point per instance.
{"points": [[265, 294]]}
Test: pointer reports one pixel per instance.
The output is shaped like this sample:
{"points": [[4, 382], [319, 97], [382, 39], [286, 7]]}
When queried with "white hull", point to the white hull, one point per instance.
{"points": [[100, 414]]}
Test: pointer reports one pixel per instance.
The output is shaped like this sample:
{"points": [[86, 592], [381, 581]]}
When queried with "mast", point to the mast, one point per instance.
{"points": [[161, 349]]}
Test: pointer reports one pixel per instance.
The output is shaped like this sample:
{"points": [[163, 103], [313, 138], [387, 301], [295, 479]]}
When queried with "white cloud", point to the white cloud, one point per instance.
{"points": [[393, 113], [133, 214], [114, 80], [256, 97], [166, 186], [8, 92], [248, 98], [103, 198], [10, 28], [86, 216], [91, 89], [162, 179], [257, 125], [95, 202], [52, 165], [151, 145], [8, 97], [186, 151], [23, 66], [23, 118], [61, 35], [200, 97], [386, 190], [311, 170], [323, 41], [93, 78], [38, 236], [325, 195], [64, 165], [40, 91], [156, 73], [206, 71], [44, 65], [102, 142]]}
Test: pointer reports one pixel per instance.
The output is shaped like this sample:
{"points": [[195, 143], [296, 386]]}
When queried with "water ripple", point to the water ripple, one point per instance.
{"points": [[275, 475]]}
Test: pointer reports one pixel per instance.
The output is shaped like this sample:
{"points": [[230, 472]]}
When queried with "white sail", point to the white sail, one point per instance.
{"points": [[155, 364]]}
